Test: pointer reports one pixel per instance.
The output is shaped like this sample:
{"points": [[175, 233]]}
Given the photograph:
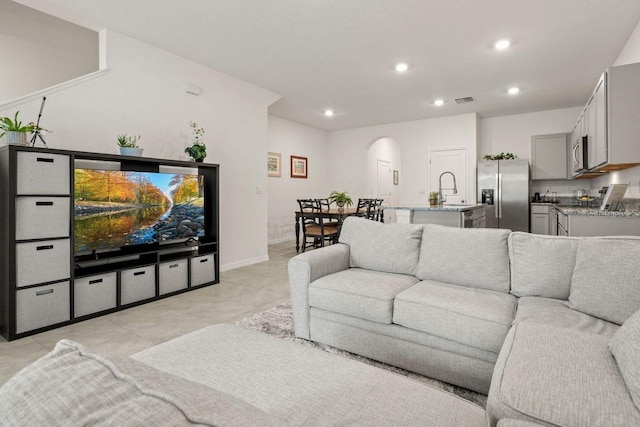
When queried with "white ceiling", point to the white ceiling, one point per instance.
{"points": [[340, 54]]}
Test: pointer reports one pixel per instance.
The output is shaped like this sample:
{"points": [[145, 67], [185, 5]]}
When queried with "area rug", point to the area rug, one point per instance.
{"points": [[278, 322]]}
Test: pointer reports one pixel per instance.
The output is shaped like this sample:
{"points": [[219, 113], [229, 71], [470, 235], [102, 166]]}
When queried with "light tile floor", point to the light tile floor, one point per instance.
{"points": [[241, 293]]}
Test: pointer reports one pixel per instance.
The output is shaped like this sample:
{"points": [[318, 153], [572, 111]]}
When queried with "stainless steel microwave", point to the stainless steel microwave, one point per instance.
{"points": [[579, 154]]}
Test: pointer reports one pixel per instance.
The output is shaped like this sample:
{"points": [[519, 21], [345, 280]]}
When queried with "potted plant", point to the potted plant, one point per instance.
{"points": [[129, 145], [197, 151], [433, 198], [340, 199], [15, 132]]}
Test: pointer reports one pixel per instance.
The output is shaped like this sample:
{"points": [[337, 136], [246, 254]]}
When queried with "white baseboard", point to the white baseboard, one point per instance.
{"points": [[244, 263], [282, 240]]}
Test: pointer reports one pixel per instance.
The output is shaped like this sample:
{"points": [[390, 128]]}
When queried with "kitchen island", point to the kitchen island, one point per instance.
{"points": [[464, 216], [589, 221]]}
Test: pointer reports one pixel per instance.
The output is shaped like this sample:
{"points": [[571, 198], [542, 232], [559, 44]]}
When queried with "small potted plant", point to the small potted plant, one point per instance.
{"points": [[14, 131], [129, 145], [197, 151], [340, 199], [433, 198]]}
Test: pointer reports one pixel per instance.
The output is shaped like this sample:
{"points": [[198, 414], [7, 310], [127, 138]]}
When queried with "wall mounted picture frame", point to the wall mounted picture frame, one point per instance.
{"points": [[299, 167], [395, 177], [274, 164]]}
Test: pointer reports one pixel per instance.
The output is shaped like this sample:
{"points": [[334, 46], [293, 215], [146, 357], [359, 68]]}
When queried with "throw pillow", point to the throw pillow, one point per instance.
{"points": [[391, 248], [74, 386], [625, 347], [606, 279]]}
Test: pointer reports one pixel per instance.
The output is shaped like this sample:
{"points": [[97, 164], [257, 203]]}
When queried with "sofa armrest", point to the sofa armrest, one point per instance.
{"points": [[306, 268]]}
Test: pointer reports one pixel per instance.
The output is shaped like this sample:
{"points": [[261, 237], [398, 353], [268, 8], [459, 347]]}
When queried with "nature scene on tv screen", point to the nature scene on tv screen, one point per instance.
{"points": [[114, 208]]}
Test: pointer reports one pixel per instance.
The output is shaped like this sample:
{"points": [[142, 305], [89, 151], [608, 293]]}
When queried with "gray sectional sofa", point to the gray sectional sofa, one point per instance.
{"points": [[534, 321]]}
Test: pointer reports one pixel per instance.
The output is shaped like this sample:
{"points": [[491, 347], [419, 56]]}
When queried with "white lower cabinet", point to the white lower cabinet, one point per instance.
{"points": [[94, 294], [203, 270], [540, 219], [137, 284], [42, 306], [174, 276]]}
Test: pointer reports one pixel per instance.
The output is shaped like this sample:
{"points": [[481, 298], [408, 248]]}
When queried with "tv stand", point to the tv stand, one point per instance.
{"points": [[44, 284]]}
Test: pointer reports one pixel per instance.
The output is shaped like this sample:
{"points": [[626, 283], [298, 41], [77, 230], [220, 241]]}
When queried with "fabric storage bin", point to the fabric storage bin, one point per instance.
{"points": [[42, 217], [173, 276], [42, 173], [42, 306], [93, 294], [137, 284], [203, 270], [44, 261]]}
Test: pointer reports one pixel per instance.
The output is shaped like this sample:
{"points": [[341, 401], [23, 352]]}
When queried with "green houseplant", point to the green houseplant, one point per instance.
{"points": [[15, 132], [129, 145], [197, 151], [340, 198]]}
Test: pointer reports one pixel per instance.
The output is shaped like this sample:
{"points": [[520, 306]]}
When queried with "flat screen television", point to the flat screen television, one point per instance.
{"points": [[117, 209]]}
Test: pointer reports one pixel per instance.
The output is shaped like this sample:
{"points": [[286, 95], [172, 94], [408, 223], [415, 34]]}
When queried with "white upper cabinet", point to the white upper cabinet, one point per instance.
{"points": [[549, 156], [596, 126]]}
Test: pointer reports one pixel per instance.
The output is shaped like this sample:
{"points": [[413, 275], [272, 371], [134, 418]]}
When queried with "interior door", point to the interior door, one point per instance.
{"points": [[384, 178], [454, 161]]}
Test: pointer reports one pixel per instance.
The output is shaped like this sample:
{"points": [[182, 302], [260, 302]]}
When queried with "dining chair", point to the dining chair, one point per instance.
{"points": [[362, 206], [314, 230], [325, 205]]}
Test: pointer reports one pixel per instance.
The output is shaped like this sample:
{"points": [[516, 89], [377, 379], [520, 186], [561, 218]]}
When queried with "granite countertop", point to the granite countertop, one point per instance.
{"points": [[595, 211], [427, 207]]}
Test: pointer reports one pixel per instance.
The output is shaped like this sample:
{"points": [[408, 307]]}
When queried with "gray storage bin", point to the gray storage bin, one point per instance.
{"points": [[42, 217], [203, 270], [42, 173], [137, 284], [44, 261], [173, 276], [94, 294], [42, 306]]}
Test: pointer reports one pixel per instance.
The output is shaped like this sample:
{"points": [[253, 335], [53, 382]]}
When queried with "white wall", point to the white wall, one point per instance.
{"points": [[348, 151], [630, 54], [39, 50], [513, 134], [144, 93], [291, 138]]}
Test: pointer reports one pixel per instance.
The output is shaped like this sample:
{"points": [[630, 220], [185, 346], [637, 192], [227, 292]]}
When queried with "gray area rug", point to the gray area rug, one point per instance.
{"points": [[278, 322]]}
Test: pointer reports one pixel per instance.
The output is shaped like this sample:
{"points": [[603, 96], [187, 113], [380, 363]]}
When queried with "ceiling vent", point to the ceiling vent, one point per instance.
{"points": [[464, 100]]}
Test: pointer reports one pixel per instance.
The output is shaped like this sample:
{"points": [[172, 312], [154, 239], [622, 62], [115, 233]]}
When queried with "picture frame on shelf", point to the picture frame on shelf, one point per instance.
{"points": [[274, 164], [299, 167]]}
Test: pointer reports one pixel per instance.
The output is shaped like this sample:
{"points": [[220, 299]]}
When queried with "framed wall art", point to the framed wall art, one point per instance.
{"points": [[274, 164], [395, 177], [299, 167]]}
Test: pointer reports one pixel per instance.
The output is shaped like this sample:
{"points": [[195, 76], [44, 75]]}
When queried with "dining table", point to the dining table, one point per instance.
{"points": [[338, 214]]}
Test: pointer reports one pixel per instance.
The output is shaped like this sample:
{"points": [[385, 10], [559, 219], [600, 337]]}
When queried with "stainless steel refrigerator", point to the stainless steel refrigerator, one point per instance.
{"points": [[504, 187]]}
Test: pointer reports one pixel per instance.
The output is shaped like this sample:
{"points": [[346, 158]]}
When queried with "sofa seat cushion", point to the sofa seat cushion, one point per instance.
{"points": [[361, 293], [475, 317], [553, 312], [74, 386], [625, 347], [605, 279], [304, 386], [560, 377], [392, 248], [541, 265], [484, 251]]}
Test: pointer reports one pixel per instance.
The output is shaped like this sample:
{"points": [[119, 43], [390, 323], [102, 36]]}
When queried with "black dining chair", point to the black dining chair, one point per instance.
{"points": [[315, 233], [370, 209]]}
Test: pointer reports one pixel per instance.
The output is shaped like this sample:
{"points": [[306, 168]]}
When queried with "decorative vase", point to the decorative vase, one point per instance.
{"points": [[200, 160], [433, 201], [16, 138], [340, 206], [131, 151]]}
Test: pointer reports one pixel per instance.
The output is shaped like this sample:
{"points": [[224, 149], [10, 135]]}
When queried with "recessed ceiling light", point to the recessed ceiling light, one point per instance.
{"points": [[502, 44], [438, 102], [513, 90], [328, 113], [401, 67]]}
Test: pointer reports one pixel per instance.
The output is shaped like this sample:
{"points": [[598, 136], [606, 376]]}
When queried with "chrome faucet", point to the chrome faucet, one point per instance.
{"points": [[455, 187]]}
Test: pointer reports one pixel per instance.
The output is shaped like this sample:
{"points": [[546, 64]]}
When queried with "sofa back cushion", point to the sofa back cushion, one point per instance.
{"points": [[541, 266], [625, 347], [606, 278], [75, 386], [391, 248], [474, 257]]}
